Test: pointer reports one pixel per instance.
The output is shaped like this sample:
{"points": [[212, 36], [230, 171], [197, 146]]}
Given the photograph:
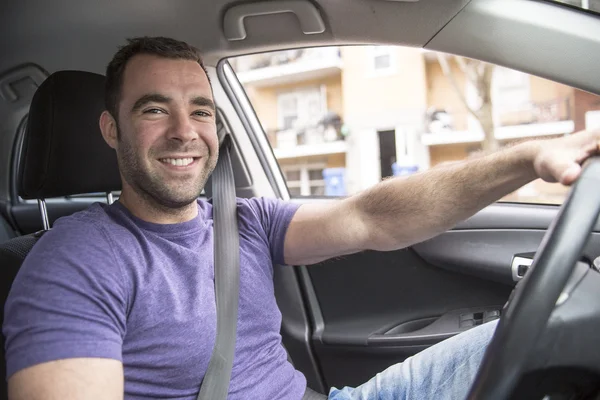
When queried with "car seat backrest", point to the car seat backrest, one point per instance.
{"points": [[12, 254], [6, 231], [63, 154], [63, 149]]}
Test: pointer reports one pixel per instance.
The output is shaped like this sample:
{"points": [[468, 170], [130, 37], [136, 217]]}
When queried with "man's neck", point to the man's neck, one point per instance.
{"points": [[149, 211]]}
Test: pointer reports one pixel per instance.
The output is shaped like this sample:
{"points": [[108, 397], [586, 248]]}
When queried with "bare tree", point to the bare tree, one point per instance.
{"points": [[479, 75]]}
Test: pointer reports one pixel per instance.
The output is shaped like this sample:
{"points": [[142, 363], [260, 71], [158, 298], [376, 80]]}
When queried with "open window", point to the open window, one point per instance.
{"points": [[341, 119]]}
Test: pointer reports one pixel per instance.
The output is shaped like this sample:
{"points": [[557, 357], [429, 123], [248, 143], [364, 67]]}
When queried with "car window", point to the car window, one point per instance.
{"points": [[341, 119], [591, 5]]}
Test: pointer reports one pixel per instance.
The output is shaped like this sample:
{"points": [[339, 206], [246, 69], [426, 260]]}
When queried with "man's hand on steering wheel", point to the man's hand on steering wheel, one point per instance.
{"points": [[560, 159]]}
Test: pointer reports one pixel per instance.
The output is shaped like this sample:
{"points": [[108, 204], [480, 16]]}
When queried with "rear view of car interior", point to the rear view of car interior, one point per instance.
{"points": [[346, 319]]}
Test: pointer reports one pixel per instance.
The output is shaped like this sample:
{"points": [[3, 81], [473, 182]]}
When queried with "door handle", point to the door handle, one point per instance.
{"points": [[520, 264]]}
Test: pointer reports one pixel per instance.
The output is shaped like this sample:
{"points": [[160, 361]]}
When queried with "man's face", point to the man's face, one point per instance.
{"points": [[167, 141]]}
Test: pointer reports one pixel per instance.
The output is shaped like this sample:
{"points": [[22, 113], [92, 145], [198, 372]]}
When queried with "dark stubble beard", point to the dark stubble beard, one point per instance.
{"points": [[151, 186]]}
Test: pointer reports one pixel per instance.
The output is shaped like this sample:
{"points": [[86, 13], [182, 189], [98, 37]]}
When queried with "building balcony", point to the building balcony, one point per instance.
{"points": [[306, 142], [291, 66], [529, 120], [307, 150]]}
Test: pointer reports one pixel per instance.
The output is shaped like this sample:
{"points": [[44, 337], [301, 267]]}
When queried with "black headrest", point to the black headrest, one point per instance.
{"points": [[63, 150]]}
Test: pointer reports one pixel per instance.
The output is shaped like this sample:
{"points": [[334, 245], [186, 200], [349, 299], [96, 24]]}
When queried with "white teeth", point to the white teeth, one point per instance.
{"points": [[180, 162]]}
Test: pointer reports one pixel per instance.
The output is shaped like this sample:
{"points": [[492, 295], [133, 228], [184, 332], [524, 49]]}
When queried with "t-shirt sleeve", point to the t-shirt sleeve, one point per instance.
{"points": [[68, 300], [275, 216]]}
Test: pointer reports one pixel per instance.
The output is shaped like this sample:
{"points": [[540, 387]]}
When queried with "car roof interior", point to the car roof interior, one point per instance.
{"points": [[498, 31]]}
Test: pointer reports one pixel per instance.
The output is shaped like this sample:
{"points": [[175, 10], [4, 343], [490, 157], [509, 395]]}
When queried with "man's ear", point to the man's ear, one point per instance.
{"points": [[108, 127]]}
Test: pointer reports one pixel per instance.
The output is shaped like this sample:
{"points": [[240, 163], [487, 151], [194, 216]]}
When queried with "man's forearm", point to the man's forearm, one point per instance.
{"points": [[401, 212]]}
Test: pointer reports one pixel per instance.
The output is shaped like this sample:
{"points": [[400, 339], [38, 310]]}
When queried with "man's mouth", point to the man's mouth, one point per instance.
{"points": [[178, 162]]}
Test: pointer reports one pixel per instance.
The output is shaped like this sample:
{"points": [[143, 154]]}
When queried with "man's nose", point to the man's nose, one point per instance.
{"points": [[182, 128]]}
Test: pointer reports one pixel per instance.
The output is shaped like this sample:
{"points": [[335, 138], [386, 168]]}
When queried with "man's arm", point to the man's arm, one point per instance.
{"points": [[398, 213], [65, 317], [75, 378]]}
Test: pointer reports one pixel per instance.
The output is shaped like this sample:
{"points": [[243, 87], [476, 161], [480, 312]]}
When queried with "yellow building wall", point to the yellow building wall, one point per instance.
{"points": [[264, 99], [368, 93], [451, 152], [543, 90]]}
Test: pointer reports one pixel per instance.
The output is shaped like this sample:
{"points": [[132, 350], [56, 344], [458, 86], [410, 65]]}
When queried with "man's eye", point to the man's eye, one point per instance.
{"points": [[202, 113], [153, 111]]}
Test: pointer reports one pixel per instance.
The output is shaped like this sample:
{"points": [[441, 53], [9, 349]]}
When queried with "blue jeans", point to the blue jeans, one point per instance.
{"points": [[444, 371]]}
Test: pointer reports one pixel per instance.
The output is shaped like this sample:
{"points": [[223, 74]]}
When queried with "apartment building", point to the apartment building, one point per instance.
{"points": [[362, 113], [298, 98]]}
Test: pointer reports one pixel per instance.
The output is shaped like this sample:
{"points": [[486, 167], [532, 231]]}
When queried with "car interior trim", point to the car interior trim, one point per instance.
{"points": [[571, 39], [308, 15], [240, 102]]}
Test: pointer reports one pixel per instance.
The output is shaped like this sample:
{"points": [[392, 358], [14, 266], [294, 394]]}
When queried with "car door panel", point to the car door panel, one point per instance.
{"points": [[487, 253], [372, 292], [357, 299], [364, 296], [367, 311]]}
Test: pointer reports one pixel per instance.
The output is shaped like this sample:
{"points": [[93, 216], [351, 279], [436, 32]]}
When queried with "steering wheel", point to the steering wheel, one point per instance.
{"points": [[530, 305]]}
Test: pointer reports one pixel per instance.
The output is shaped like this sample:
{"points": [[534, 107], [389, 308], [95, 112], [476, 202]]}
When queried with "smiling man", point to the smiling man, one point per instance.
{"points": [[161, 120], [118, 301]]}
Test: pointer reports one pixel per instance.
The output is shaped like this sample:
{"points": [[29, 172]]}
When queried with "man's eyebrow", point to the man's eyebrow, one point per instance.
{"points": [[150, 98], [202, 101]]}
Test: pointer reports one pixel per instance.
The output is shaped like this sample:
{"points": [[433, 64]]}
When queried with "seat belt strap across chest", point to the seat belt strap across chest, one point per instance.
{"points": [[215, 384]]}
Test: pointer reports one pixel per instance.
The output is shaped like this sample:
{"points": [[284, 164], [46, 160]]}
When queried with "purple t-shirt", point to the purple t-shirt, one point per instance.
{"points": [[103, 283]]}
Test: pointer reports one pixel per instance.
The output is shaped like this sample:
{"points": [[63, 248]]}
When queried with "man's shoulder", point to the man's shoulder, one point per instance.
{"points": [[76, 246], [246, 207], [259, 205], [78, 232], [272, 214], [85, 222]]}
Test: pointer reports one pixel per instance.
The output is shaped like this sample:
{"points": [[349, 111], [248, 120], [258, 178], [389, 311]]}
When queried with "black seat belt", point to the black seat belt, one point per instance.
{"points": [[215, 385]]}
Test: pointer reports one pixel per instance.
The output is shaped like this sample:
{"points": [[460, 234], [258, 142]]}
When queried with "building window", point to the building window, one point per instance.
{"points": [[510, 88], [382, 60], [511, 99], [300, 108], [288, 111], [305, 179], [592, 120]]}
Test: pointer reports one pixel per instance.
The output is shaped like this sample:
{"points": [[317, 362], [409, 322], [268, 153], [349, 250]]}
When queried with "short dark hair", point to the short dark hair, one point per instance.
{"points": [[159, 46]]}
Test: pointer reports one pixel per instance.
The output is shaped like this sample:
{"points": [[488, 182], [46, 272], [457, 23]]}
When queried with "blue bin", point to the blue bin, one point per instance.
{"points": [[404, 170], [334, 181]]}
